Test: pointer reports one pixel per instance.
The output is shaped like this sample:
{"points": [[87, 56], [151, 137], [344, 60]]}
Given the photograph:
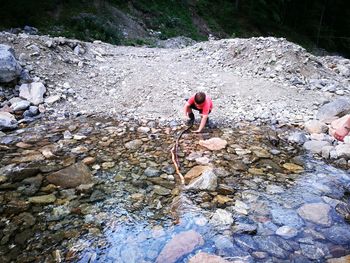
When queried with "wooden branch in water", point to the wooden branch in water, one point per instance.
{"points": [[174, 155]]}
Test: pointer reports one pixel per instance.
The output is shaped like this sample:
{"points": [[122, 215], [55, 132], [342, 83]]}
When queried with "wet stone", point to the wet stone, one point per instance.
{"points": [[31, 185], [71, 176], [161, 190], [42, 199], [151, 172], [204, 257], [246, 242], [180, 245], [317, 213], [287, 217], [270, 245], [315, 251], [338, 234], [286, 232]]}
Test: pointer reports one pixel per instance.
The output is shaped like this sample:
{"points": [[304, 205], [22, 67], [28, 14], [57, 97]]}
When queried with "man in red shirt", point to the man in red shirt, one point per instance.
{"points": [[203, 104]]}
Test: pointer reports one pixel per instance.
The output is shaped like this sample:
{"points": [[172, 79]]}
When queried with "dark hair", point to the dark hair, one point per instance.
{"points": [[199, 98]]}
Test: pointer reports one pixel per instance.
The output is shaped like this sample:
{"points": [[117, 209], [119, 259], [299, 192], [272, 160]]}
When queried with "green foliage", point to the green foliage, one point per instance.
{"points": [[321, 23], [90, 27], [171, 18]]}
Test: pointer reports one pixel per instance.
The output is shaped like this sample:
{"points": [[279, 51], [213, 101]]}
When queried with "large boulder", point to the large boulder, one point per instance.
{"points": [[336, 108], [71, 176], [10, 69], [33, 92], [7, 121]]}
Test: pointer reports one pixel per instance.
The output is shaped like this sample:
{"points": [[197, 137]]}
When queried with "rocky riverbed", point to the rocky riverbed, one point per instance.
{"points": [[87, 189], [85, 168]]}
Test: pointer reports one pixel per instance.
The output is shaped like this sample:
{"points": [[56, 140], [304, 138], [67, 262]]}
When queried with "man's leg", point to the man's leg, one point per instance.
{"points": [[191, 120]]}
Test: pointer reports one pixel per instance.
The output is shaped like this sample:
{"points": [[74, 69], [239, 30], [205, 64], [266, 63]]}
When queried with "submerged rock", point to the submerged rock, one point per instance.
{"points": [[71, 176], [202, 257], [317, 213], [180, 245], [195, 172], [207, 181]]}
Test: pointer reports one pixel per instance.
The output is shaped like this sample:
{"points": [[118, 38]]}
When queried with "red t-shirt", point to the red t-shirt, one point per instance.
{"points": [[206, 106]]}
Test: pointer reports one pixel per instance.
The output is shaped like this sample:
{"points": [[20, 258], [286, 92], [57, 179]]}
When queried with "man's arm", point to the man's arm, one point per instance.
{"points": [[203, 122], [187, 109]]}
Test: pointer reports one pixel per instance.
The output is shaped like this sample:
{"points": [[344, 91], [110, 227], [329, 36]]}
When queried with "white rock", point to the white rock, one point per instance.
{"points": [[33, 92], [221, 218], [286, 232]]}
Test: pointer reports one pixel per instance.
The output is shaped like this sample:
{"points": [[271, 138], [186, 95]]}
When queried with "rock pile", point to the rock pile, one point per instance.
{"points": [[257, 79], [316, 138]]}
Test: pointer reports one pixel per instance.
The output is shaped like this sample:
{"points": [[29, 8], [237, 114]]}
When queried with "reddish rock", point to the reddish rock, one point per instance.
{"points": [[213, 144], [195, 172], [202, 257], [180, 245]]}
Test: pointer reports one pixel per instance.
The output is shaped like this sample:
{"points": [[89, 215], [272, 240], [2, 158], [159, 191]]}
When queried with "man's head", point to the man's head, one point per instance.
{"points": [[199, 98]]}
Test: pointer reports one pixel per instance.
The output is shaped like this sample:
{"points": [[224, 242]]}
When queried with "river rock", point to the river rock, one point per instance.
{"points": [[207, 181], [317, 213], [221, 218], [338, 234], [42, 199], [287, 217], [271, 245], [20, 105], [33, 92], [315, 146], [31, 185], [316, 126], [336, 108], [213, 144], [202, 257], [10, 69], [297, 137], [143, 129], [317, 251], [180, 245], [71, 176], [151, 172], [292, 167], [343, 151], [159, 190], [133, 145], [195, 172], [16, 173], [286, 232], [7, 121], [52, 99], [345, 259]]}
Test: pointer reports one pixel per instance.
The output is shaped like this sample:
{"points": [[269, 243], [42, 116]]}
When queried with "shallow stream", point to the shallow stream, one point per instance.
{"points": [[270, 201]]}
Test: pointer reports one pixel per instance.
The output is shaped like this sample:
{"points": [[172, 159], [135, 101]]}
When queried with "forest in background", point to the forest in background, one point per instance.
{"points": [[321, 24]]}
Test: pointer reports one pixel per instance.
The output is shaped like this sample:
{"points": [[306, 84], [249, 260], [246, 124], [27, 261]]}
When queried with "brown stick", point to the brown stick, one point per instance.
{"points": [[174, 155]]}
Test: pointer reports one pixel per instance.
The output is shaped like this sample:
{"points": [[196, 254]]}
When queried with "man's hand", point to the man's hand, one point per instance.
{"points": [[197, 131]]}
